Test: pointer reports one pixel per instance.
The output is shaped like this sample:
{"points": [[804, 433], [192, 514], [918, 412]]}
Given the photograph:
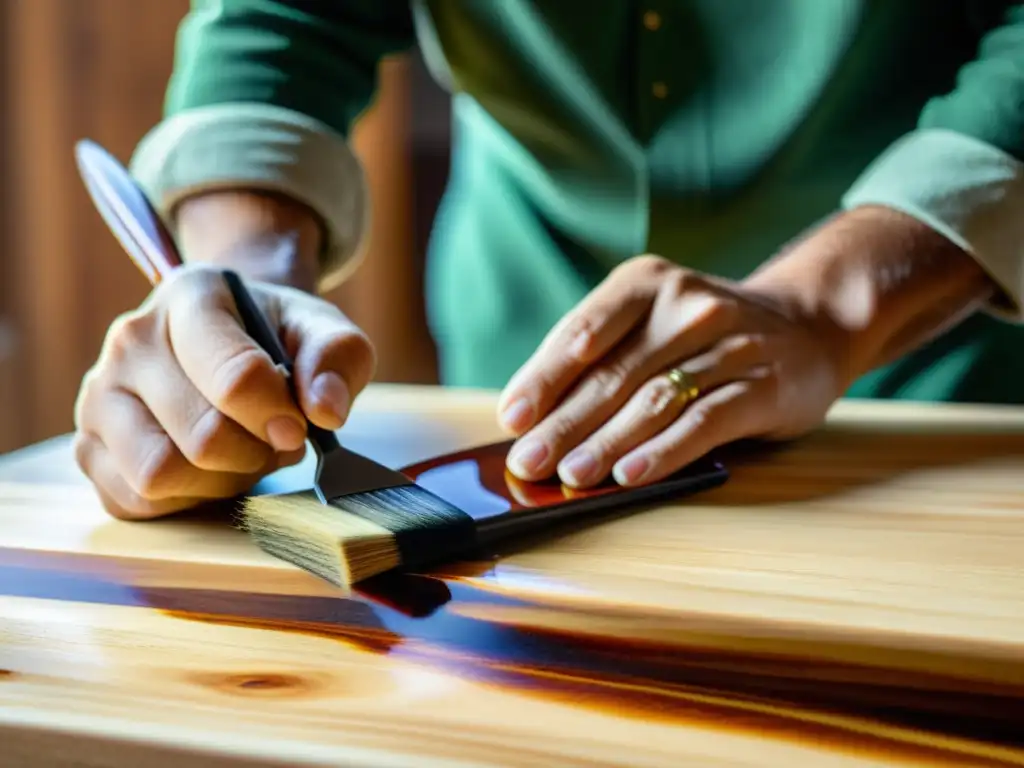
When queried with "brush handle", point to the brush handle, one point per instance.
{"points": [[256, 325], [133, 220], [128, 212]]}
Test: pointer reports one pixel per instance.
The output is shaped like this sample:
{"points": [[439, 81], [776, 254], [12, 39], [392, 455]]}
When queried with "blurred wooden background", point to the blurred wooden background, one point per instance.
{"points": [[98, 68]]}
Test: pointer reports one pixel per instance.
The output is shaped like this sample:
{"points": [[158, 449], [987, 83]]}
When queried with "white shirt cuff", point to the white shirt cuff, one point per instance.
{"points": [[258, 146], [969, 191]]}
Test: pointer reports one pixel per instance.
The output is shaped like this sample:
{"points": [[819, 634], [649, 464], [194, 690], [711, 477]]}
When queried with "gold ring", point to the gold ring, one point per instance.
{"points": [[686, 388]]}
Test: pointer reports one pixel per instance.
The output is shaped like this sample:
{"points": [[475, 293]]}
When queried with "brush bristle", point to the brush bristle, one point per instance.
{"points": [[354, 537], [328, 541]]}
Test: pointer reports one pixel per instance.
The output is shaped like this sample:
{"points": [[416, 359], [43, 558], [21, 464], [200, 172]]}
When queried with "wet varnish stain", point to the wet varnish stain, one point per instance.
{"points": [[424, 619]]}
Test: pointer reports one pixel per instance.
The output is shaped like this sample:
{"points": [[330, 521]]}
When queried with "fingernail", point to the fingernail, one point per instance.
{"points": [[579, 467], [285, 434], [518, 415], [631, 470], [331, 392], [526, 458]]}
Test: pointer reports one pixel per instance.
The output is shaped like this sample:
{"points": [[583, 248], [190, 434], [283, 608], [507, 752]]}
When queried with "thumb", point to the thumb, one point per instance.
{"points": [[227, 367], [334, 360]]}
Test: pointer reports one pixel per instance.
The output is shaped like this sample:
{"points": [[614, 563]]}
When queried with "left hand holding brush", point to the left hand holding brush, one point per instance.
{"points": [[183, 407], [211, 384]]}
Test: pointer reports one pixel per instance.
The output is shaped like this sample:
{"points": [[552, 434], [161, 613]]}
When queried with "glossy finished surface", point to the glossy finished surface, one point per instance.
{"points": [[477, 481], [856, 598]]}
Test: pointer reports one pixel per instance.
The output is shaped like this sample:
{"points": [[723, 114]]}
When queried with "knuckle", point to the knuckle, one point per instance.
{"points": [[718, 311], [680, 281], [155, 469], [607, 381], [132, 507], [559, 427], [127, 334], [237, 374], [582, 324], [190, 288], [205, 441], [649, 264], [576, 333], [704, 416], [602, 447], [655, 397], [749, 346], [641, 272]]}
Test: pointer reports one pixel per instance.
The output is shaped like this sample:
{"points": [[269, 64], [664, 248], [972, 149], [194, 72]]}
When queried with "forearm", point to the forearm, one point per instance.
{"points": [[261, 235], [961, 172], [262, 98], [878, 283]]}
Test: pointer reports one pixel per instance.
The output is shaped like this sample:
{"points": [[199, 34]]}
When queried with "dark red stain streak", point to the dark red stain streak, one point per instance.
{"points": [[411, 616]]}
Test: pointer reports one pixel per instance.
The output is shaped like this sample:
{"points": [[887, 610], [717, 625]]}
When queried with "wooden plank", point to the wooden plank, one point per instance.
{"points": [[854, 598]]}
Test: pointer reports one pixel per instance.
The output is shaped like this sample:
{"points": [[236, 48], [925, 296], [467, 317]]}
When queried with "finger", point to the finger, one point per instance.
{"points": [[607, 386], [227, 367], [119, 499], [655, 405], [334, 360], [737, 410], [147, 458], [587, 333], [207, 438]]}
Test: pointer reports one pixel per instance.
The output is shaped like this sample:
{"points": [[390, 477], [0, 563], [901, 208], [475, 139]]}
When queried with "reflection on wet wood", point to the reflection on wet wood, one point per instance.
{"points": [[855, 598]]}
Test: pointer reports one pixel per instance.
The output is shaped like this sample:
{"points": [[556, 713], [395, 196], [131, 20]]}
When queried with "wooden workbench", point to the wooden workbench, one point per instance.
{"points": [[855, 598]]}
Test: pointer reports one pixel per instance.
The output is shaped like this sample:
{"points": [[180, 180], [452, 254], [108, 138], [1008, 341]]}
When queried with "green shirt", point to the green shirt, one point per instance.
{"points": [[589, 131]]}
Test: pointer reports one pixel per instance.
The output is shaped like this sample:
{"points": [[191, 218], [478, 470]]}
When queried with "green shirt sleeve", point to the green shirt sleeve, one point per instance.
{"points": [[987, 102], [263, 94], [962, 170]]}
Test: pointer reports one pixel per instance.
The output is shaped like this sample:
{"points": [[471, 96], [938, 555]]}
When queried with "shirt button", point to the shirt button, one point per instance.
{"points": [[660, 90], [652, 20]]}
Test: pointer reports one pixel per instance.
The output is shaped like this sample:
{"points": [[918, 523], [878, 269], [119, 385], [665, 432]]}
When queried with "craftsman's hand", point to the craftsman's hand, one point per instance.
{"points": [[183, 407], [595, 399]]}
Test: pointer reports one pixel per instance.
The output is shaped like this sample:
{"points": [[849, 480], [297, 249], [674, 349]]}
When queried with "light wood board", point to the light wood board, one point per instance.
{"points": [[855, 598]]}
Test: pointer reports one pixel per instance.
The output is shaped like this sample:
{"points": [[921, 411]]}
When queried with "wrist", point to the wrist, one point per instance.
{"points": [[261, 235], [874, 283]]}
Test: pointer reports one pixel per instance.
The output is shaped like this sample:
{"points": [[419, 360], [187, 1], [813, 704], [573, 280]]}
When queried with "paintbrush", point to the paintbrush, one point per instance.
{"points": [[133, 220], [462, 503], [382, 494], [361, 518]]}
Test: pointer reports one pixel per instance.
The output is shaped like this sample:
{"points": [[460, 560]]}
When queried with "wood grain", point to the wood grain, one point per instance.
{"points": [[854, 598]]}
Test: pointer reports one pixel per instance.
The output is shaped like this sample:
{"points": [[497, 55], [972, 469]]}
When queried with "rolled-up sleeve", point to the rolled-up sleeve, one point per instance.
{"points": [[263, 95], [962, 170]]}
